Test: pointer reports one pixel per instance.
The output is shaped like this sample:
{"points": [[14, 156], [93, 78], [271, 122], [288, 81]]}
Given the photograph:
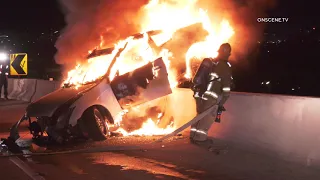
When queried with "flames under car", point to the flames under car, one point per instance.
{"points": [[91, 110]]}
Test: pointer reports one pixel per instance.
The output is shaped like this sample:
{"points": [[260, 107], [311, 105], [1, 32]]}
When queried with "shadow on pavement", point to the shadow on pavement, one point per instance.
{"points": [[176, 159]]}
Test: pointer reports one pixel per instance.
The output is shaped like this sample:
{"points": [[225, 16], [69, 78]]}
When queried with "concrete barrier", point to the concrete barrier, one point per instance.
{"points": [[10, 85], [283, 124], [57, 84], [28, 89], [10, 88], [43, 88], [16, 88], [178, 99]]}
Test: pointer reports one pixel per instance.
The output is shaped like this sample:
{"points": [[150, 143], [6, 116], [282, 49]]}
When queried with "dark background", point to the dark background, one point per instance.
{"points": [[288, 56], [32, 27]]}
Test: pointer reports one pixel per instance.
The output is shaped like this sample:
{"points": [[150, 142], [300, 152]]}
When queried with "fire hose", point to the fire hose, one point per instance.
{"points": [[80, 151]]}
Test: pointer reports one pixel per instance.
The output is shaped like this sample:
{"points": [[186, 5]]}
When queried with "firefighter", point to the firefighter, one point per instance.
{"points": [[211, 88], [4, 72]]}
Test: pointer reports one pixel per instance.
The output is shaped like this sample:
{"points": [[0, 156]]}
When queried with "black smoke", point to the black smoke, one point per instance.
{"points": [[88, 20]]}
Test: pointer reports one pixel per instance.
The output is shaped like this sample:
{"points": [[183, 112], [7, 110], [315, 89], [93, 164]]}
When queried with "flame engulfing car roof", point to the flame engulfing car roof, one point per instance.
{"points": [[100, 52]]}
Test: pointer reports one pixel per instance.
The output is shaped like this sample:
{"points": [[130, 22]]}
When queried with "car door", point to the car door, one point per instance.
{"points": [[144, 84]]}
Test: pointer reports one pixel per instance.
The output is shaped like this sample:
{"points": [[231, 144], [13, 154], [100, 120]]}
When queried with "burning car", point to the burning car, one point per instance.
{"points": [[90, 108], [136, 70]]}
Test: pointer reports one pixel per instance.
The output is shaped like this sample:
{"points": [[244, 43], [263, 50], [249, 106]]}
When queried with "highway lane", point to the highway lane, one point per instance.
{"points": [[175, 158]]}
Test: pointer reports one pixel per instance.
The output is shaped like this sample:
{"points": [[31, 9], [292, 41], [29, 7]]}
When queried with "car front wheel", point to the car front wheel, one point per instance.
{"points": [[95, 124]]}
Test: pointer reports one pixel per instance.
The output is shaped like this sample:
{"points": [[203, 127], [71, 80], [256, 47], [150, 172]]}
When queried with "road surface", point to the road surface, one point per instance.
{"points": [[175, 158]]}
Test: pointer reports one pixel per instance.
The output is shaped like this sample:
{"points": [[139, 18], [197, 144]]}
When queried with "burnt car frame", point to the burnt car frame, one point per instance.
{"points": [[91, 110]]}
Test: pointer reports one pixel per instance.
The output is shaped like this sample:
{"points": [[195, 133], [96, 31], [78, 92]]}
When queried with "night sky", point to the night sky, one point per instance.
{"points": [[32, 16], [301, 14], [291, 66], [39, 15]]}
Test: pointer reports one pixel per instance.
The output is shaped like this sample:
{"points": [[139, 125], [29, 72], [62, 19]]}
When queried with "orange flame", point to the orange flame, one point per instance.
{"points": [[171, 17], [168, 17], [149, 128]]}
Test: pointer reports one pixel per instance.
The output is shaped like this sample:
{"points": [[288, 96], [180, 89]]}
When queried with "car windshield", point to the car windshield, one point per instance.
{"points": [[100, 52], [99, 55], [93, 56]]}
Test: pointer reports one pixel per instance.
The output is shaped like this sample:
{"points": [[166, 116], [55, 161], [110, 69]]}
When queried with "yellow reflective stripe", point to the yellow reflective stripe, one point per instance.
{"points": [[202, 132], [196, 95], [198, 131], [227, 89], [212, 94], [210, 86], [215, 75]]}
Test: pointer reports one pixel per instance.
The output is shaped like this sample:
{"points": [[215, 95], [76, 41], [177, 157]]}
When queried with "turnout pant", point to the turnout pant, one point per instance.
{"points": [[4, 84], [199, 130]]}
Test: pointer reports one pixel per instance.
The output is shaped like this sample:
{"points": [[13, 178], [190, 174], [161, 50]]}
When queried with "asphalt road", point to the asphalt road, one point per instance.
{"points": [[141, 158]]}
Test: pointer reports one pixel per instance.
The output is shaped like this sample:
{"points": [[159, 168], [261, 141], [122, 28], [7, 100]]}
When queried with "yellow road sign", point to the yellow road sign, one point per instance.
{"points": [[18, 64]]}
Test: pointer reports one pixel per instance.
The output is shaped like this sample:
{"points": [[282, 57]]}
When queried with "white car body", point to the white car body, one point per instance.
{"points": [[61, 110]]}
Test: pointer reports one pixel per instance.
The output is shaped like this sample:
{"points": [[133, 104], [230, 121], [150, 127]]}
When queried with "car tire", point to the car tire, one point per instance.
{"points": [[94, 122]]}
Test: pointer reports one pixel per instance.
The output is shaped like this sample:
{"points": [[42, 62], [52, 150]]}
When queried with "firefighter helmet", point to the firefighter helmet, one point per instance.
{"points": [[225, 49]]}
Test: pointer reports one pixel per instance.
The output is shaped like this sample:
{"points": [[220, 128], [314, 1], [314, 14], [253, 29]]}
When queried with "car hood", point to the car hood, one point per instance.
{"points": [[47, 105]]}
